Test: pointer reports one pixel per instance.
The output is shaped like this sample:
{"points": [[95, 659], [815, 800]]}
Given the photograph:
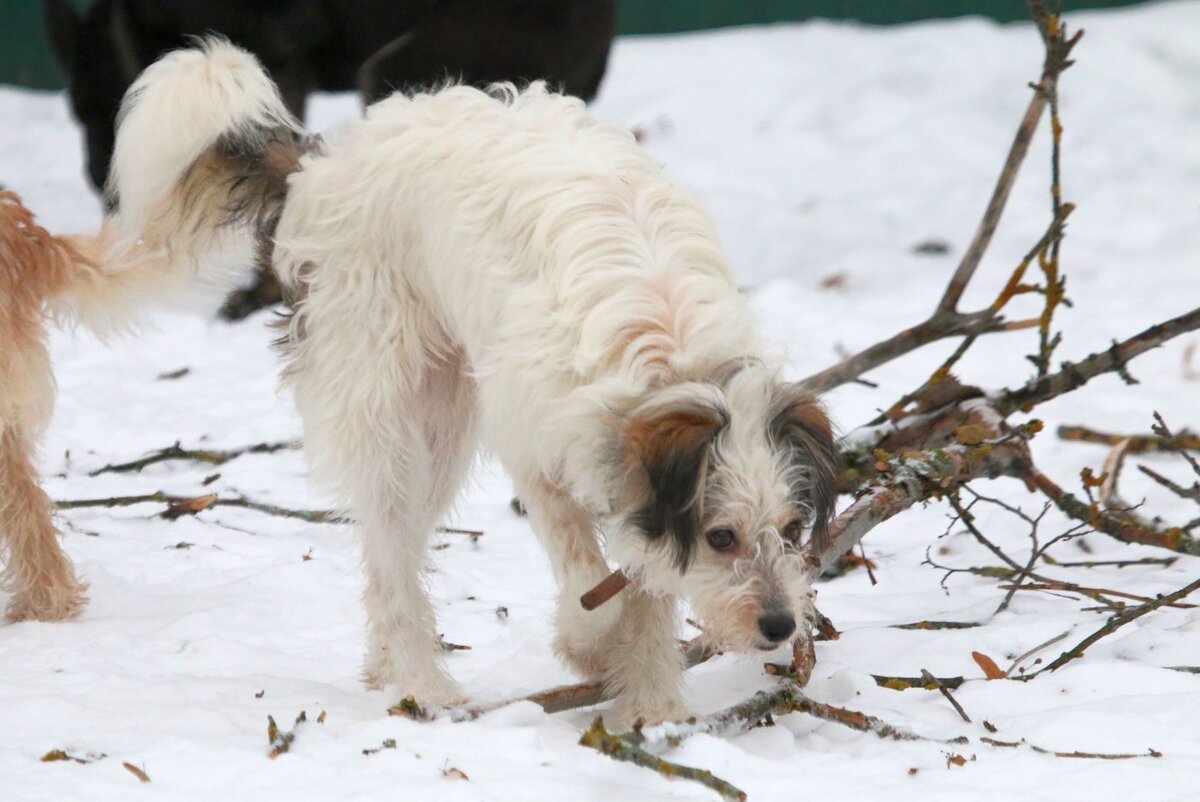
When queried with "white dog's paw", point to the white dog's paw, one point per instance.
{"points": [[628, 710], [587, 660], [427, 685]]}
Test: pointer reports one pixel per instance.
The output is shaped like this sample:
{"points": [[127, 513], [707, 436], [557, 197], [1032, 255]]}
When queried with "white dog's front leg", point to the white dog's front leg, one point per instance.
{"points": [[567, 533], [647, 666]]}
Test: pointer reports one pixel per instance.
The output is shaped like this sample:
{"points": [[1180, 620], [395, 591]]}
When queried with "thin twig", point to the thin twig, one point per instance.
{"points": [[1116, 622], [1165, 562], [1070, 587], [945, 692], [174, 502], [1034, 651], [1191, 493], [210, 457], [1080, 755], [1138, 443]]}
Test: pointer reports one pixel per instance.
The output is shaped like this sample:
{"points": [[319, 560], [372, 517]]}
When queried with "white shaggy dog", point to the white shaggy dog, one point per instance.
{"points": [[497, 268]]}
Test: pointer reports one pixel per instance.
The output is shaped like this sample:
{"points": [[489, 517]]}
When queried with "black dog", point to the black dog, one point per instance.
{"points": [[373, 46]]}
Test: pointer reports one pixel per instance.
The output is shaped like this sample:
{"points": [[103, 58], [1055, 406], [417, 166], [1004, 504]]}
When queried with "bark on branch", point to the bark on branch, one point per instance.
{"points": [[178, 506], [208, 456], [915, 477], [1072, 376]]}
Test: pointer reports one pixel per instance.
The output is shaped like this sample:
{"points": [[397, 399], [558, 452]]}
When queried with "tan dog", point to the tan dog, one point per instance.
{"points": [[95, 281], [35, 268]]}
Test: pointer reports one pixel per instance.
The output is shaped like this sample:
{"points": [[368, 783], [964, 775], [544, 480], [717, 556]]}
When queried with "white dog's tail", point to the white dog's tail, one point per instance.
{"points": [[199, 173]]}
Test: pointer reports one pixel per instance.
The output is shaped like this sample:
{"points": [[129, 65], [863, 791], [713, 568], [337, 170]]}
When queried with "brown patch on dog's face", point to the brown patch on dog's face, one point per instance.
{"points": [[670, 446], [737, 471], [655, 441]]}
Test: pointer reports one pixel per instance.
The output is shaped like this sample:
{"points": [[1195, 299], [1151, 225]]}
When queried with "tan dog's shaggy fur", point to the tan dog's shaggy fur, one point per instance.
{"points": [[35, 268], [100, 282]]}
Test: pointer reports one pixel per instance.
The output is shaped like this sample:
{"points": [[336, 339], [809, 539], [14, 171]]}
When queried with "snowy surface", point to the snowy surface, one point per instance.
{"points": [[824, 150]]}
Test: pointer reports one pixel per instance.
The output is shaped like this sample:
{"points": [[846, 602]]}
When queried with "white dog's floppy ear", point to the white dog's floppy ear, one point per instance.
{"points": [[668, 439], [799, 423]]}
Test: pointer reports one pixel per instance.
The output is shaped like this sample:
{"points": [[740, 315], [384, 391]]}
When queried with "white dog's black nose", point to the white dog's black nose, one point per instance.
{"points": [[776, 626]]}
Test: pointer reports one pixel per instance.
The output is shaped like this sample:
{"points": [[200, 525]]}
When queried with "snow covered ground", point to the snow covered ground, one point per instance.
{"points": [[824, 150]]}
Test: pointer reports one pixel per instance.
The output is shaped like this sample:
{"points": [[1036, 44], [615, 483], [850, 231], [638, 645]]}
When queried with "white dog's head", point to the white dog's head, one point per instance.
{"points": [[717, 483]]}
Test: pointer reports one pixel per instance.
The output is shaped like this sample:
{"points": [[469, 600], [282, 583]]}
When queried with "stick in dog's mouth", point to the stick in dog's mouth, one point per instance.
{"points": [[604, 590]]}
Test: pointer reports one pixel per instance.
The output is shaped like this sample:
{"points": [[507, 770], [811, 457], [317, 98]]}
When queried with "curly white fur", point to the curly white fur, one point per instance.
{"points": [[498, 268]]}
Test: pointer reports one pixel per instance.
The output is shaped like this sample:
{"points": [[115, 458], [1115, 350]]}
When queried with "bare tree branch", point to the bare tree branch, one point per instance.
{"points": [[626, 748], [210, 457], [1113, 624], [914, 477], [190, 505], [947, 320], [1114, 359], [1122, 528], [1138, 443]]}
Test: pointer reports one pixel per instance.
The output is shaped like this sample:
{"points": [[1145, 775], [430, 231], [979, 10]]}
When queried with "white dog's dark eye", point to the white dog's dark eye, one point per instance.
{"points": [[792, 531], [721, 539]]}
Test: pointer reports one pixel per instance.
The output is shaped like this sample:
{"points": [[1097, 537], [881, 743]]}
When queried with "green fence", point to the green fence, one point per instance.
{"points": [[25, 58], [666, 16]]}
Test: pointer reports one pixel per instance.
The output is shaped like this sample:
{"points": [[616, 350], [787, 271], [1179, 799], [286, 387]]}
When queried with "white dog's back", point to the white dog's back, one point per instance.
{"points": [[544, 244]]}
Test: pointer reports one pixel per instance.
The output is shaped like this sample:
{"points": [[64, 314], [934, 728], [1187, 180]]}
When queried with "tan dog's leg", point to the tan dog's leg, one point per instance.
{"points": [[37, 570]]}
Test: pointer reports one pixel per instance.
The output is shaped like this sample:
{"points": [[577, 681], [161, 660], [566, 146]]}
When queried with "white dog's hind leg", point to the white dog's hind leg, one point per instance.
{"points": [[403, 645], [398, 454]]}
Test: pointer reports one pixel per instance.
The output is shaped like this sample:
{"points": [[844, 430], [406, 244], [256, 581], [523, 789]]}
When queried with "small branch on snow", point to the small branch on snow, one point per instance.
{"points": [[894, 683], [1113, 624], [181, 506], [551, 700], [1119, 526], [281, 740], [934, 625], [787, 698], [178, 506], [210, 457], [1081, 755], [945, 691], [1138, 443], [626, 749]]}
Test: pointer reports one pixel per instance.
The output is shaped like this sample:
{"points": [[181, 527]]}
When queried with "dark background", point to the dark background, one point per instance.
{"points": [[25, 57]]}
